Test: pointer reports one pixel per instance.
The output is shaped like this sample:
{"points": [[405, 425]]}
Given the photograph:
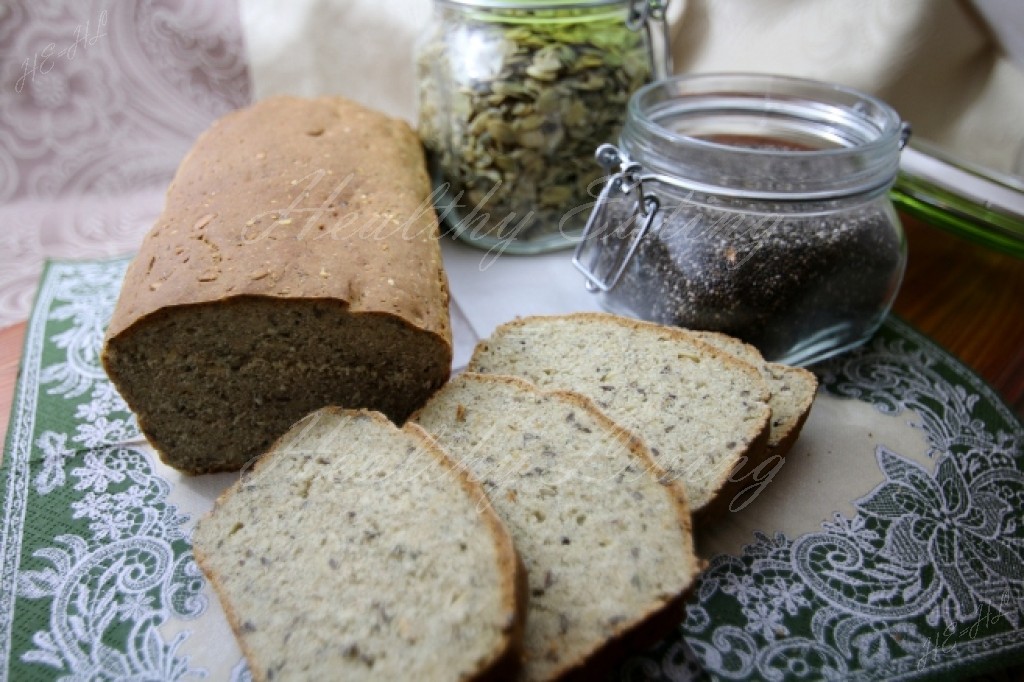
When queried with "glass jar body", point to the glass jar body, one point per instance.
{"points": [[800, 285], [512, 101], [772, 224]]}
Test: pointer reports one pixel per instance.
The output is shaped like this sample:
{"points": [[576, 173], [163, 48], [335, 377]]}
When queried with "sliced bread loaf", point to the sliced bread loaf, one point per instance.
{"points": [[356, 550], [604, 535], [294, 266], [792, 390], [699, 409]]}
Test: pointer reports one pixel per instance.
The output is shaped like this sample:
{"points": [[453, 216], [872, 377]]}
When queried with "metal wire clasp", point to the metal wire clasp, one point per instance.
{"points": [[612, 235], [643, 13]]}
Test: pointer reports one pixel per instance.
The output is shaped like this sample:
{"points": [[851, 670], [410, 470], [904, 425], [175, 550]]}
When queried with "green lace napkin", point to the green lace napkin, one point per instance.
{"points": [[888, 544], [97, 579]]}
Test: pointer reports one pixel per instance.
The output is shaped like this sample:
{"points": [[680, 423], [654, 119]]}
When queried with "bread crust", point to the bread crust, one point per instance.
{"points": [[244, 211], [515, 584], [790, 437]]}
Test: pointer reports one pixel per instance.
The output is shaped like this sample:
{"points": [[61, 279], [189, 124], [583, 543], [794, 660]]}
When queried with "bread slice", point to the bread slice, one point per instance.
{"points": [[356, 550], [699, 409], [792, 390], [605, 537]]}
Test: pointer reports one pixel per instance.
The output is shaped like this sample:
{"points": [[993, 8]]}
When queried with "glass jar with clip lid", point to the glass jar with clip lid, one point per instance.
{"points": [[754, 205], [513, 97]]}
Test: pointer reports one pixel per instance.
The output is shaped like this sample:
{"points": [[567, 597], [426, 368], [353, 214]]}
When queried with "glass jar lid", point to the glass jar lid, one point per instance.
{"points": [[764, 137]]}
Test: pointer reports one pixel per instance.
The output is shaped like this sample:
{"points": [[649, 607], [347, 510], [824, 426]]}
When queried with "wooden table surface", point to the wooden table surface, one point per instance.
{"points": [[968, 298]]}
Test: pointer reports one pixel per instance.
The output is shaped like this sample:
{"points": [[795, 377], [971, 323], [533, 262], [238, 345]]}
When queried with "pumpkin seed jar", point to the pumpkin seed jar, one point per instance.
{"points": [[513, 97], [753, 205]]}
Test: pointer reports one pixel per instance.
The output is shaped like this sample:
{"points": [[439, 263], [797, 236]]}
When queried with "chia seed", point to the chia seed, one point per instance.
{"points": [[774, 280]]}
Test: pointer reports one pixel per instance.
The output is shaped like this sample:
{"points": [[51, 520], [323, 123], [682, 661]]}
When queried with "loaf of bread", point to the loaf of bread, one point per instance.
{"points": [[699, 409], [604, 535], [356, 550], [296, 264], [792, 390]]}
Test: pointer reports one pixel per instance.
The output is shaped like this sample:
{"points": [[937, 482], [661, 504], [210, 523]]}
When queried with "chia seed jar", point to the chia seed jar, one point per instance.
{"points": [[513, 96], [754, 205]]}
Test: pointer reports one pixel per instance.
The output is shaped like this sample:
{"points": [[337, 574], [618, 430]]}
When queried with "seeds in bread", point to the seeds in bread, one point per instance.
{"points": [[296, 264], [700, 410], [792, 390], [357, 550], [605, 538]]}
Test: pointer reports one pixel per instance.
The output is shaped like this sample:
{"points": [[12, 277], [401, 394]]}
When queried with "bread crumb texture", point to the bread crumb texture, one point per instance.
{"points": [[699, 409], [792, 389], [606, 541], [354, 550]]}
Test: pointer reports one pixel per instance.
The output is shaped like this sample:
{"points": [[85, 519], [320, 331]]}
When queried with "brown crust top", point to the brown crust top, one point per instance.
{"points": [[296, 198]]}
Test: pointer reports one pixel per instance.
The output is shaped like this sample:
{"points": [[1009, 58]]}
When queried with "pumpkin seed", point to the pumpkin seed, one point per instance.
{"points": [[522, 134]]}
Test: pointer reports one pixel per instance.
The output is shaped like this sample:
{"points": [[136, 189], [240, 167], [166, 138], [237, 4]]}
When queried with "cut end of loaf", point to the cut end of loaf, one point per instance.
{"points": [[296, 264], [213, 386]]}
